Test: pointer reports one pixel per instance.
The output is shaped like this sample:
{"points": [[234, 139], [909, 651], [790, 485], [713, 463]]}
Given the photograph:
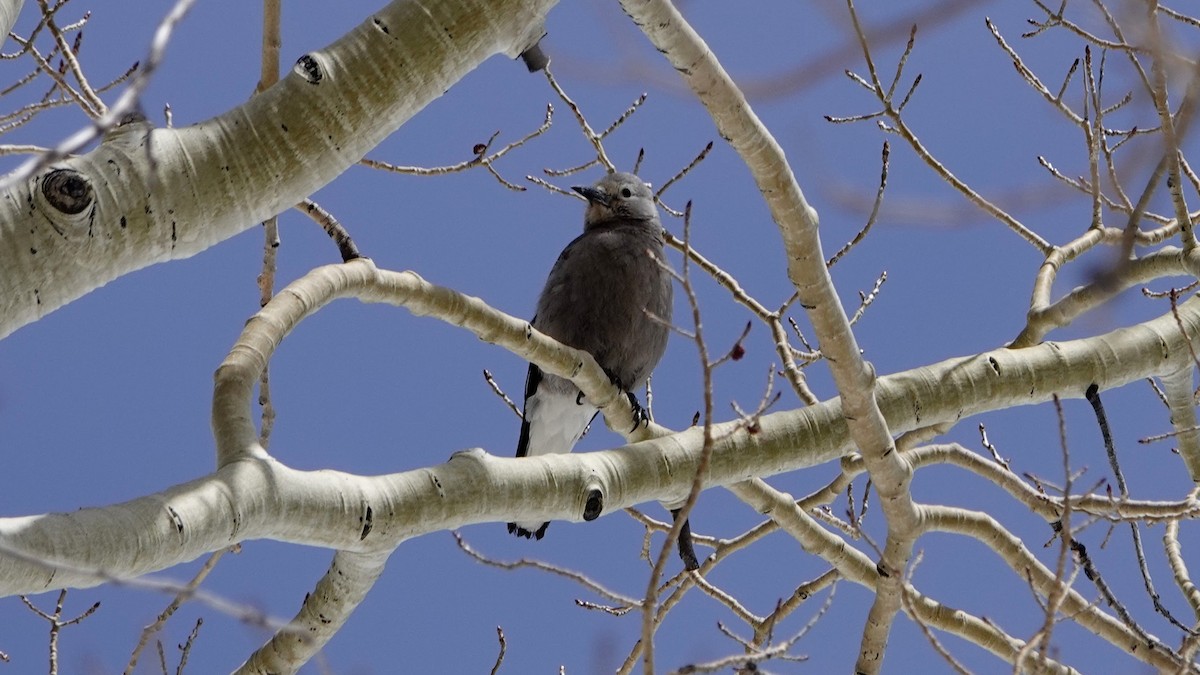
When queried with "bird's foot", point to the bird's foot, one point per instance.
{"points": [[516, 529], [640, 416]]}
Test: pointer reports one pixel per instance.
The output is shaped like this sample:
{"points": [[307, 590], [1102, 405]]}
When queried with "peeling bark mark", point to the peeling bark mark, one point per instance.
{"points": [[368, 521], [176, 520]]}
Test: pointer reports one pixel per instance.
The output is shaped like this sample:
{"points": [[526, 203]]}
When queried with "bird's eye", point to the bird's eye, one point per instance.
{"points": [[626, 193]]}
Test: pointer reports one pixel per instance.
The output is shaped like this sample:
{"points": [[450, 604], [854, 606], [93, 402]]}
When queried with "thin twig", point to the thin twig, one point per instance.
{"points": [[482, 157], [487, 377], [503, 649], [340, 236], [57, 623], [183, 596], [545, 567], [588, 133], [883, 176], [126, 103]]}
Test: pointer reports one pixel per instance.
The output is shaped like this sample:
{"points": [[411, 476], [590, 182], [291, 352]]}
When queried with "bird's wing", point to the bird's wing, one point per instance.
{"points": [[532, 380]]}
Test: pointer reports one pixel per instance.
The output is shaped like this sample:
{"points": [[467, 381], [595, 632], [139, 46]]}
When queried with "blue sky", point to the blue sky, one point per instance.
{"points": [[108, 398]]}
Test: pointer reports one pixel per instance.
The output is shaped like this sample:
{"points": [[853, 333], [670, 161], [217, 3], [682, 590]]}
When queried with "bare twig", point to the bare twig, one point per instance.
{"points": [[126, 103], [503, 649], [183, 596], [338, 233], [926, 630], [592, 137], [1093, 397], [862, 234], [186, 648], [674, 179], [487, 377], [268, 76], [482, 156], [546, 567], [624, 116], [57, 623]]}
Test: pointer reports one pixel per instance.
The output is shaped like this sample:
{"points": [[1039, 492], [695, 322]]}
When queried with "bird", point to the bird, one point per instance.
{"points": [[609, 293]]}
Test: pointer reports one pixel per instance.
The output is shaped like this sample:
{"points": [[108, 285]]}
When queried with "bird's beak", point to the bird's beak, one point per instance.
{"points": [[591, 194]]}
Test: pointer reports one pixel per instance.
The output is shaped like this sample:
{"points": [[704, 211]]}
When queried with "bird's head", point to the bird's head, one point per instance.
{"points": [[618, 196]]}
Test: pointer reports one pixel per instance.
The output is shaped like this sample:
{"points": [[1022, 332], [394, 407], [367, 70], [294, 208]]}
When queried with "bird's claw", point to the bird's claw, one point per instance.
{"points": [[513, 528], [640, 416]]}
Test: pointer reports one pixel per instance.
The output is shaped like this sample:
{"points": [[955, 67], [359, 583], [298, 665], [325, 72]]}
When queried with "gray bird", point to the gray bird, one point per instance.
{"points": [[599, 297]]}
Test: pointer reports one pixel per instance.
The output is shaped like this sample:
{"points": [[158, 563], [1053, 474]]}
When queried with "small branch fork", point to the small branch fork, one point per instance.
{"points": [[103, 119], [793, 359], [61, 91], [183, 596], [1127, 269], [892, 112], [482, 156], [1101, 142], [653, 612], [891, 576], [906, 520], [55, 619], [809, 519]]}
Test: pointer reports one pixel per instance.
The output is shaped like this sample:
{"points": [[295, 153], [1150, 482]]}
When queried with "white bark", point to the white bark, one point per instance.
{"points": [[9, 11], [151, 195], [322, 615], [256, 497], [148, 195]]}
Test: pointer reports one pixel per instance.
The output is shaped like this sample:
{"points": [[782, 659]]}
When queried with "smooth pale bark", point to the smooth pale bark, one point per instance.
{"points": [[9, 10], [257, 497], [150, 195], [322, 614]]}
